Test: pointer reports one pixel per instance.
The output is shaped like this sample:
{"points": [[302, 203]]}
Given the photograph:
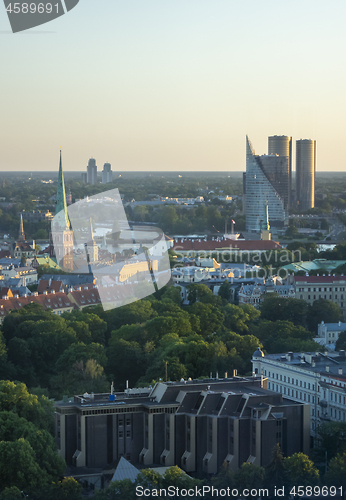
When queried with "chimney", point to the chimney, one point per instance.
{"points": [[340, 371], [327, 369]]}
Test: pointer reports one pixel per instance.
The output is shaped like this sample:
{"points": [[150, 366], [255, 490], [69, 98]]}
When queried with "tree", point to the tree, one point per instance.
{"points": [[210, 317], [323, 310], [336, 474], [332, 440], [117, 490], [225, 291], [126, 361], [341, 342], [41, 441], [18, 466], [249, 476], [301, 470], [275, 308], [16, 398], [275, 472]]}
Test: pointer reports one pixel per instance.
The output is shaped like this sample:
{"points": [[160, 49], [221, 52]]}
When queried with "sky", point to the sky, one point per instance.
{"points": [[173, 84]]}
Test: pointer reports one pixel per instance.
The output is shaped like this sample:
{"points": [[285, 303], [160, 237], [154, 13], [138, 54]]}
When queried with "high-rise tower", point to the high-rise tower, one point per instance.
{"points": [[107, 174], [92, 171], [282, 145], [260, 191], [62, 234], [305, 173]]}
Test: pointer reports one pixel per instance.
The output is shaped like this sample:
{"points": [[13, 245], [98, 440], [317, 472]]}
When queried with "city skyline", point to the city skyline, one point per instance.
{"points": [[159, 86]]}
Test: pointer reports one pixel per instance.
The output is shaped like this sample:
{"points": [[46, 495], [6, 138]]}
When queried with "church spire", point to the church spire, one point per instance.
{"points": [[61, 207], [21, 236]]}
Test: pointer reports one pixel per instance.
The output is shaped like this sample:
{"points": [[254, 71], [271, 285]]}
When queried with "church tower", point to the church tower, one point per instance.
{"points": [[62, 233], [92, 247], [21, 235]]}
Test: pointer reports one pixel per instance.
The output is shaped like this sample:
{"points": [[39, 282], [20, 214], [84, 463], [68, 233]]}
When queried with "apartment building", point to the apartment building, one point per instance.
{"points": [[314, 378], [311, 288]]}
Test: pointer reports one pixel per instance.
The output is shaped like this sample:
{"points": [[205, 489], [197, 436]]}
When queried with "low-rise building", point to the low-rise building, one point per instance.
{"points": [[328, 333], [318, 379], [195, 424]]}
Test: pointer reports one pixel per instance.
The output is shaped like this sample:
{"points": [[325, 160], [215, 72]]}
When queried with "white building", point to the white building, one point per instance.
{"points": [[328, 333], [317, 379]]}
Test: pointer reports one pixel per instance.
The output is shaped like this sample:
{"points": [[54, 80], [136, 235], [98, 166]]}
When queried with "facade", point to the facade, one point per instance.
{"points": [[195, 424], [92, 171], [254, 294], [314, 378], [196, 274], [260, 190], [107, 174], [282, 145], [311, 288], [328, 333], [305, 173]]}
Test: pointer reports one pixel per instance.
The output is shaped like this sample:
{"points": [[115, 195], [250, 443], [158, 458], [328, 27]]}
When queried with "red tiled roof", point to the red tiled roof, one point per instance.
{"points": [[318, 279], [87, 297], [52, 301], [243, 245]]}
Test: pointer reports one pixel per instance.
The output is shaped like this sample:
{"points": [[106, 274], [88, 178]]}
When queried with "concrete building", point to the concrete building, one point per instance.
{"points": [[195, 424], [282, 145], [92, 171], [305, 173], [314, 378], [262, 190], [107, 174]]}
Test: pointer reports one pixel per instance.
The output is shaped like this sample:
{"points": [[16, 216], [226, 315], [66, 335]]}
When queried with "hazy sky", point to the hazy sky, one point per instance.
{"points": [[173, 84]]}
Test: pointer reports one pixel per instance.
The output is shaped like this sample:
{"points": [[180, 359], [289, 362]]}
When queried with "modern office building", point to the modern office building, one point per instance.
{"points": [[318, 379], [266, 178], [107, 174], [195, 424], [282, 145], [92, 171], [305, 173]]}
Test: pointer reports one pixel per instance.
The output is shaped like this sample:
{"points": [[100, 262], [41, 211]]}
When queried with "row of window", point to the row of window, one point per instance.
{"points": [[290, 380], [320, 289]]}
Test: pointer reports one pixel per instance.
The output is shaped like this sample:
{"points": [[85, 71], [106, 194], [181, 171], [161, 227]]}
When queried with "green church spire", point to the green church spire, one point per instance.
{"points": [[61, 207]]}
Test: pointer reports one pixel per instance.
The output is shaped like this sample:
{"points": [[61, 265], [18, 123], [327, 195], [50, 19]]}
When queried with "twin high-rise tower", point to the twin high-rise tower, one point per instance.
{"points": [[268, 180]]}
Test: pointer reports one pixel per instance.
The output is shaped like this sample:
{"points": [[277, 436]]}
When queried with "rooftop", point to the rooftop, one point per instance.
{"points": [[327, 363]]}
